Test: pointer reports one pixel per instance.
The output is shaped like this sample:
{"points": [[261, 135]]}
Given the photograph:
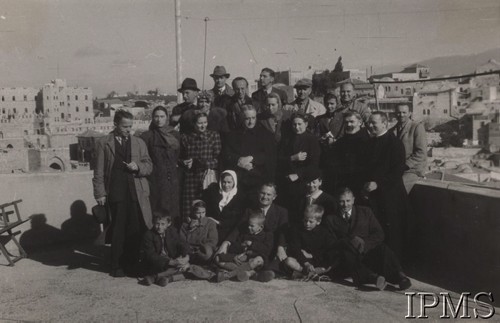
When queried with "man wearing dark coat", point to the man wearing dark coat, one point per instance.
{"points": [[359, 239], [234, 107], [189, 90], [346, 160], [383, 182], [259, 97], [250, 152], [122, 164], [221, 92]]}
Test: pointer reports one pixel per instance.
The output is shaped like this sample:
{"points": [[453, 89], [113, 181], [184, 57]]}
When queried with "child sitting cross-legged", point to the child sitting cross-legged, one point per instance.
{"points": [[309, 246], [248, 252], [164, 253], [200, 232]]}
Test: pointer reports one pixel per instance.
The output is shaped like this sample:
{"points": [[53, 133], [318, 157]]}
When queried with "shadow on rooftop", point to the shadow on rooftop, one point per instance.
{"points": [[77, 245]]}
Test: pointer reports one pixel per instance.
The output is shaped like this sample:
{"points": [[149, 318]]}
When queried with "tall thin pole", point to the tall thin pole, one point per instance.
{"points": [[178, 48], [205, 54]]}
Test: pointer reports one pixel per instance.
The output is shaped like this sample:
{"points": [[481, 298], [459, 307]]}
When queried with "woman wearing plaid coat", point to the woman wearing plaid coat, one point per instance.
{"points": [[199, 152]]}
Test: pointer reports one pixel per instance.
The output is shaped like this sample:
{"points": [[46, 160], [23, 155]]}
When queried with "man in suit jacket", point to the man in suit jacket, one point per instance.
{"points": [[259, 97], [413, 136], [360, 241], [384, 183], [122, 164], [221, 92], [276, 218], [234, 107]]}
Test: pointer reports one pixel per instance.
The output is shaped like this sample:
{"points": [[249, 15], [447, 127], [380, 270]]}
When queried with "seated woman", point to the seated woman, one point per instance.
{"points": [[224, 203]]}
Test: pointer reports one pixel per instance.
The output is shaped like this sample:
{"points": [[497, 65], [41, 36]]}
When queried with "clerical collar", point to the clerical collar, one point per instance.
{"points": [[383, 133]]}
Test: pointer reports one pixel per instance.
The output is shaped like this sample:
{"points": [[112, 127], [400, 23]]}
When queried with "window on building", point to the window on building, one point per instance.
{"points": [[428, 112], [445, 111], [76, 97], [86, 109], [3, 111], [86, 97], [25, 110], [3, 98], [67, 98], [13, 98], [15, 110], [25, 97], [423, 111], [62, 115], [402, 92], [77, 109]]}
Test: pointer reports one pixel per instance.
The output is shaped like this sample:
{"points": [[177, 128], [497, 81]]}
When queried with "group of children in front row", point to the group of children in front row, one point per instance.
{"points": [[313, 250]]}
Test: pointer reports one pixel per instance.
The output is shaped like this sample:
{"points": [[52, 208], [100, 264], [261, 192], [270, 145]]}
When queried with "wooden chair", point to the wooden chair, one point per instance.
{"points": [[6, 233]]}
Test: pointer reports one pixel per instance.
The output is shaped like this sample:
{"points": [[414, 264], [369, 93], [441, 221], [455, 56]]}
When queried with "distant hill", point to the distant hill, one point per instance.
{"points": [[453, 65]]}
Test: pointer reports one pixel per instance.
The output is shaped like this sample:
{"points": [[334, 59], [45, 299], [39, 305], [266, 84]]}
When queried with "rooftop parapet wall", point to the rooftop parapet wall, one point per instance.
{"points": [[457, 238]]}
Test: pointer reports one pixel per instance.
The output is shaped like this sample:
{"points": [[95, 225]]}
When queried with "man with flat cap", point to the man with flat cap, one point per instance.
{"points": [[259, 97], [221, 92], [303, 103], [189, 90]]}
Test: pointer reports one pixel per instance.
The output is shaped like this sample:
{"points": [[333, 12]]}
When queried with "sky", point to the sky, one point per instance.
{"points": [[129, 45]]}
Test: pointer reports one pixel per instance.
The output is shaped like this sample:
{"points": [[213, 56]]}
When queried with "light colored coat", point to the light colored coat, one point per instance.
{"points": [[414, 139], [313, 108], [105, 157]]}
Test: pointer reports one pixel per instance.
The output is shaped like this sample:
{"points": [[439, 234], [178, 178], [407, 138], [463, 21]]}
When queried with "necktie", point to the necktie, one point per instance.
{"points": [[310, 200], [163, 252]]}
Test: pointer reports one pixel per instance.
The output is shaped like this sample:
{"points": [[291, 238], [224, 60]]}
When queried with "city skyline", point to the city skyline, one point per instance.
{"points": [[130, 45]]}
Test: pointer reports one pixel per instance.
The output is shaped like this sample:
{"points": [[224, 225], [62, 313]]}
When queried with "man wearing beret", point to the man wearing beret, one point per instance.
{"points": [[221, 92]]}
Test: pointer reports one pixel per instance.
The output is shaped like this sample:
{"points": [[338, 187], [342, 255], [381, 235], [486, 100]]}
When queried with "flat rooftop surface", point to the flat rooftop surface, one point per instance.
{"points": [[67, 286]]}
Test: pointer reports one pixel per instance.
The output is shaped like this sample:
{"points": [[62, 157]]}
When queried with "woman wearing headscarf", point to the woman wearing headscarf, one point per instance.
{"points": [[199, 153], [225, 203], [163, 145]]}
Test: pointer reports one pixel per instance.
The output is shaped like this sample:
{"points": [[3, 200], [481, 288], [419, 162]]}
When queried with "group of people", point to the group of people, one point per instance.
{"points": [[233, 186]]}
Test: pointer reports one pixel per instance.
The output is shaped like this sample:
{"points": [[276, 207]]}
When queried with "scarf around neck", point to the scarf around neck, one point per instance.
{"points": [[227, 196], [167, 133]]}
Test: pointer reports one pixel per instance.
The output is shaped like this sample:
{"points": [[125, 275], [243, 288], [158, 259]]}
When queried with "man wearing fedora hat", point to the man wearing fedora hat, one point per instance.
{"points": [[189, 90], [221, 92], [303, 102]]}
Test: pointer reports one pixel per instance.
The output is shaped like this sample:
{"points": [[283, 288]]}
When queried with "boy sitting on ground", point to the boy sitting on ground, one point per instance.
{"points": [[248, 252], [164, 253], [309, 250]]}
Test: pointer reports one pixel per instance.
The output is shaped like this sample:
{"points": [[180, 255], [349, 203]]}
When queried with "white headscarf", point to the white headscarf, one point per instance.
{"points": [[227, 196]]}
